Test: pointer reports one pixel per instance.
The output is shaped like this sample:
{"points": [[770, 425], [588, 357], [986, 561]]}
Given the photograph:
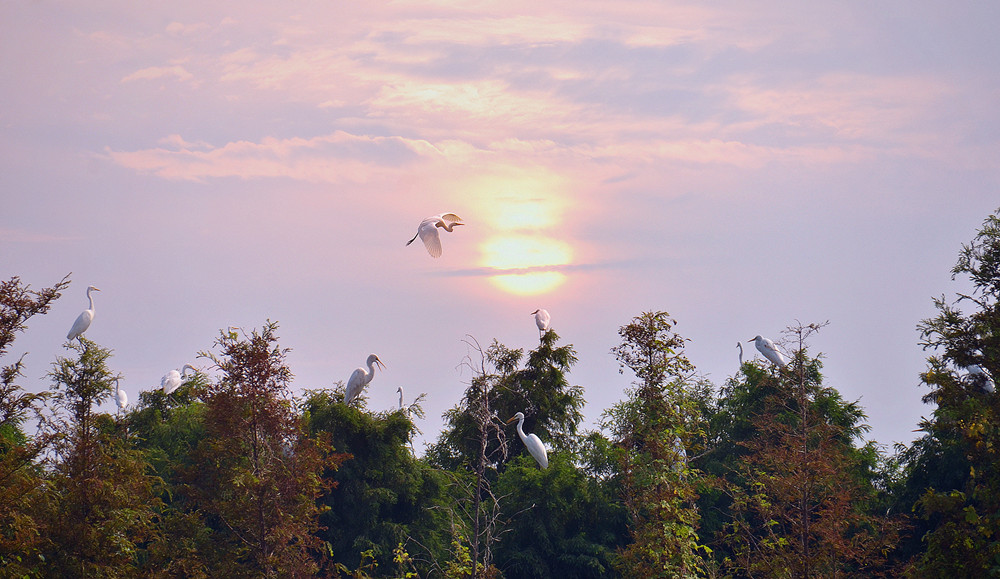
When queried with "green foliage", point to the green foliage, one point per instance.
{"points": [[800, 493], [564, 522], [100, 509], [652, 430], [954, 468], [539, 389], [256, 475], [21, 481], [168, 428], [236, 478], [383, 495]]}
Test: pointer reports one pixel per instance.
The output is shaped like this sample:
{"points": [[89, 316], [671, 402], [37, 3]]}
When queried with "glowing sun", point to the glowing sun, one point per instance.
{"points": [[531, 260]]}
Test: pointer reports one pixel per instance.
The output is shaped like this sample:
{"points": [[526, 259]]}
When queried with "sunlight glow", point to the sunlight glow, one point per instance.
{"points": [[529, 284], [532, 260], [523, 208]]}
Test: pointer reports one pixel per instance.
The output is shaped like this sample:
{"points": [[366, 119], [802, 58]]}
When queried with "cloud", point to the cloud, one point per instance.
{"points": [[23, 236], [155, 72], [181, 29], [331, 158]]}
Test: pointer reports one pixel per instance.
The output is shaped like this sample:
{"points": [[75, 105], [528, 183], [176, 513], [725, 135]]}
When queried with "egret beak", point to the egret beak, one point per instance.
{"points": [[512, 419], [380, 364]]}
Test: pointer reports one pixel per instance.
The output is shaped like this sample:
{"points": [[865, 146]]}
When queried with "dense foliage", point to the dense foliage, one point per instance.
{"points": [[767, 475]]}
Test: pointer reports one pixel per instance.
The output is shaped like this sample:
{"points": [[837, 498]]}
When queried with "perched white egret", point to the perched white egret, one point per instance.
{"points": [[406, 410], [173, 379], [427, 231], [739, 346], [766, 347], [83, 320], [980, 374], [542, 320], [121, 398], [361, 377], [682, 455], [531, 441]]}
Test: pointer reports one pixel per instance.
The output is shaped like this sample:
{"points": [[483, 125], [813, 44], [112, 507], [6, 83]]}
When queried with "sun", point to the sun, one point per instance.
{"points": [[529, 284], [522, 210], [532, 262]]}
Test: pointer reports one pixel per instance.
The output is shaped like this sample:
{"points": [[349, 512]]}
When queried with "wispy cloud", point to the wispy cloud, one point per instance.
{"points": [[331, 158], [24, 236], [155, 72]]}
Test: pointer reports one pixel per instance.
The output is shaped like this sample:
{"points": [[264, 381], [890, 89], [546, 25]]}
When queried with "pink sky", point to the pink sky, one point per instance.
{"points": [[739, 166]]}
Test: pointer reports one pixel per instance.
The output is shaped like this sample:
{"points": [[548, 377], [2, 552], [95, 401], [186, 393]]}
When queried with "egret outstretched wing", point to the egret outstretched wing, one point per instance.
{"points": [[428, 232], [429, 235]]}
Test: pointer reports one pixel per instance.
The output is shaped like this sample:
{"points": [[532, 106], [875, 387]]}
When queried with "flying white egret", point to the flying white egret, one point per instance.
{"points": [[739, 345], [83, 320], [361, 377], [121, 398], [766, 347], [427, 231], [173, 379], [531, 441], [542, 320]]}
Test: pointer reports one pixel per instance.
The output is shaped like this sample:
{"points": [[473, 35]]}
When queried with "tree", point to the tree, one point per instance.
{"points": [[383, 495], [652, 430], [20, 479], [257, 474], [475, 440], [540, 389], [167, 429], [100, 509], [955, 465], [800, 490], [564, 520]]}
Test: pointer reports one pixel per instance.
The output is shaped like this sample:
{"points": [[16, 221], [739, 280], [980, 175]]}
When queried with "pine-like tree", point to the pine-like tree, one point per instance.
{"points": [[20, 476], [800, 491], [257, 474], [100, 508], [652, 431], [955, 466]]}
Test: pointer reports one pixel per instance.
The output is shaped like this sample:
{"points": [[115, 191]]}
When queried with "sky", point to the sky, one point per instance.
{"points": [[743, 166]]}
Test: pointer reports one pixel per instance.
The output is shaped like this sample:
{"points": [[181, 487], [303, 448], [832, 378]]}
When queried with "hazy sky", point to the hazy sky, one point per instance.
{"points": [[742, 166]]}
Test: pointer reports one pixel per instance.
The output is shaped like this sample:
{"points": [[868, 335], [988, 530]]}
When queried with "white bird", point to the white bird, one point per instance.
{"points": [[682, 456], [427, 231], [766, 347], [360, 378], [404, 409], [987, 381], [83, 320], [542, 320], [121, 398], [172, 380], [531, 441], [740, 346]]}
